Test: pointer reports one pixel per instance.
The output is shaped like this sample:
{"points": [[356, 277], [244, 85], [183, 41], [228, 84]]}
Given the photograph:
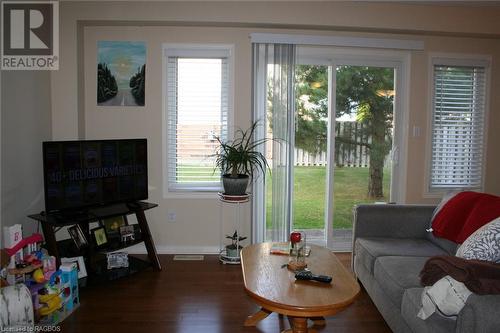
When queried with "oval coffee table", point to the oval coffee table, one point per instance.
{"points": [[275, 289]]}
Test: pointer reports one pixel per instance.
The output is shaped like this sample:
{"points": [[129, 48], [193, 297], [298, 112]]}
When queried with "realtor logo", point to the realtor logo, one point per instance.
{"points": [[30, 35]]}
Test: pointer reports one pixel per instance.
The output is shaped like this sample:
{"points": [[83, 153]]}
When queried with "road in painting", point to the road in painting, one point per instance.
{"points": [[121, 73]]}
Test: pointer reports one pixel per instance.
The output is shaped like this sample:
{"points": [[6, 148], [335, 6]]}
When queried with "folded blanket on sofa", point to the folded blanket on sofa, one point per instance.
{"points": [[480, 277], [446, 295]]}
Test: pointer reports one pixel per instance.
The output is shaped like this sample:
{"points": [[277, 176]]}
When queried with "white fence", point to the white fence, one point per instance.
{"points": [[350, 148]]}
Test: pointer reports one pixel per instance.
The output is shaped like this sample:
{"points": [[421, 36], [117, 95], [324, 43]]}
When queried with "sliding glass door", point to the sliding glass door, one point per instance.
{"points": [[364, 127], [345, 139], [311, 150]]}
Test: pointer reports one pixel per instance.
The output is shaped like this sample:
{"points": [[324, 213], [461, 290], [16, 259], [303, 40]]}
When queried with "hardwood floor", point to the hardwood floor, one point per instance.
{"points": [[195, 296]]}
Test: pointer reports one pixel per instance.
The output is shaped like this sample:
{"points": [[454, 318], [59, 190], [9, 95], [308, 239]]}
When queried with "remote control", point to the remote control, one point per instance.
{"points": [[308, 275]]}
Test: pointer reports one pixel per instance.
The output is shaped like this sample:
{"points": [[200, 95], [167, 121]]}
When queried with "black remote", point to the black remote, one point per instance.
{"points": [[308, 275]]}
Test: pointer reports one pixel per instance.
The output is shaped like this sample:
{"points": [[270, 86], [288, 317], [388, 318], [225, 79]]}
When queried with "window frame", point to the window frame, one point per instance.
{"points": [[194, 51], [454, 60]]}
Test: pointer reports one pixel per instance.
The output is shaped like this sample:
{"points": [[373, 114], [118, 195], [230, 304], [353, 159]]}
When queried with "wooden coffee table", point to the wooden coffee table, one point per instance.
{"points": [[275, 289]]}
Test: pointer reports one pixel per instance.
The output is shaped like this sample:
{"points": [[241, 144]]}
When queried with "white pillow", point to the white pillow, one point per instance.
{"points": [[446, 295], [483, 244]]}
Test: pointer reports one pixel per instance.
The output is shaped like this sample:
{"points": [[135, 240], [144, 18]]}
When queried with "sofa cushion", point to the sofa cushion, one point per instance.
{"points": [[395, 274], [369, 249], [447, 245], [411, 304]]}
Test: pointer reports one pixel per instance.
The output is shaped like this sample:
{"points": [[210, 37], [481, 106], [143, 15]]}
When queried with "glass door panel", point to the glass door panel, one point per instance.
{"points": [[310, 153], [363, 132], [363, 143]]}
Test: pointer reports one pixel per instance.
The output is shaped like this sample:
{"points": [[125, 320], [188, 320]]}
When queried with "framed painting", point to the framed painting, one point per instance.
{"points": [[121, 73]]}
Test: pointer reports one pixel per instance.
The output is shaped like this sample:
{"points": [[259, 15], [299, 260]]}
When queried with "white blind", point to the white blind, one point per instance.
{"points": [[197, 106], [458, 127]]}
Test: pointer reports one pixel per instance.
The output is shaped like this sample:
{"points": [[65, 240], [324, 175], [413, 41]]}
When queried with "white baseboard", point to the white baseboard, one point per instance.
{"points": [[162, 249]]}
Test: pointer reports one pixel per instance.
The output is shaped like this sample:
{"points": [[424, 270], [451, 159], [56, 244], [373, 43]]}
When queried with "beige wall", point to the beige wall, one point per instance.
{"points": [[418, 148], [26, 122], [197, 227]]}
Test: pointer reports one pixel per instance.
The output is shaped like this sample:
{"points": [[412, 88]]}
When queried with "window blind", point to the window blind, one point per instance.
{"points": [[458, 127], [197, 107]]}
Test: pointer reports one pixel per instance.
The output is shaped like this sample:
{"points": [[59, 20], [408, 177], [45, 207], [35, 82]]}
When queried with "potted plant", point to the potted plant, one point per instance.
{"points": [[239, 159], [233, 249]]}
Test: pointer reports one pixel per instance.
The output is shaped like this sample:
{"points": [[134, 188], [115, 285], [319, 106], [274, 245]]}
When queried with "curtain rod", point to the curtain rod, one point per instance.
{"points": [[380, 43]]}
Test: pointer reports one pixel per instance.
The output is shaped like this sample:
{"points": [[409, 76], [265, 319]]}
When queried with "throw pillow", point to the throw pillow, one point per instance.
{"points": [[450, 219], [465, 213], [483, 244], [443, 202], [486, 209], [446, 244]]}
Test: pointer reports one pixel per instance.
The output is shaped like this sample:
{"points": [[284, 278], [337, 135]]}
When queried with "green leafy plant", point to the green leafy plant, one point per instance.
{"points": [[234, 240], [240, 156]]}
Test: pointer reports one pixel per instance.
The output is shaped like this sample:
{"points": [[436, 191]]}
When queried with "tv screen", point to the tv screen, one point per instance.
{"points": [[80, 174]]}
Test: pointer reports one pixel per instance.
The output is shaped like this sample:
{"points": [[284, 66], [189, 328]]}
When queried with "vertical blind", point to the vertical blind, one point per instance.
{"points": [[274, 105], [458, 127], [197, 107]]}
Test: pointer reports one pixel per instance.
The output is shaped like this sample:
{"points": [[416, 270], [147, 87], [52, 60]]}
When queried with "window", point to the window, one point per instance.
{"points": [[458, 125], [197, 83]]}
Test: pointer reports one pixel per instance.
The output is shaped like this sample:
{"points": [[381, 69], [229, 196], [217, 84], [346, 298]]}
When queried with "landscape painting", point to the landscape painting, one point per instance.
{"points": [[121, 73]]}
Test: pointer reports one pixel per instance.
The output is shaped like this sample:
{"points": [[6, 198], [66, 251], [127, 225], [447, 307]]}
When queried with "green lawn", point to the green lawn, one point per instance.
{"points": [[351, 186], [200, 173]]}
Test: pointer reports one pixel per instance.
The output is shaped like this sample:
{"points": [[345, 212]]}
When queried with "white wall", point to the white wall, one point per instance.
{"points": [[26, 122], [442, 28]]}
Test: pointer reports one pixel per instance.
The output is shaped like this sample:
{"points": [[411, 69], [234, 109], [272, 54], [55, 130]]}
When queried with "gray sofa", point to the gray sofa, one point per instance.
{"points": [[390, 247]]}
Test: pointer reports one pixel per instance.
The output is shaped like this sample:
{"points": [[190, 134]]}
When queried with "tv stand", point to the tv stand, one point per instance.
{"points": [[133, 205], [52, 222]]}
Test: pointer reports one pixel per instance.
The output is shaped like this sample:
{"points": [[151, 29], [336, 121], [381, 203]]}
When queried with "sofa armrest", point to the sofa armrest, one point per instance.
{"points": [[398, 221], [480, 314]]}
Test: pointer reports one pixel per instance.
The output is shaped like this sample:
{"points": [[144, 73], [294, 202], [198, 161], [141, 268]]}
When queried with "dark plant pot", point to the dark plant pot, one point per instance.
{"points": [[235, 186], [232, 252]]}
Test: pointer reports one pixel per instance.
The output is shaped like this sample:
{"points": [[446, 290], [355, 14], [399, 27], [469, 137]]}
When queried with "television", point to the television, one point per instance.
{"points": [[82, 174]]}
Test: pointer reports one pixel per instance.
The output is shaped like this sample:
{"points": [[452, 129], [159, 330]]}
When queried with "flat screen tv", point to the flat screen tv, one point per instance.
{"points": [[89, 173]]}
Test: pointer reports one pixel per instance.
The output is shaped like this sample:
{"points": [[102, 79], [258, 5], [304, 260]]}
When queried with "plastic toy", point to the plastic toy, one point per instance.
{"points": [[49, 303], [38, 275], [49, 267], [24, 256]]}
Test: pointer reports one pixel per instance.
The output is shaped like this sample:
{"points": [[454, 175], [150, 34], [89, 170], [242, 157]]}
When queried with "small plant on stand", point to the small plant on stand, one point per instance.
{"points": [[233, 250], [239, 159]]}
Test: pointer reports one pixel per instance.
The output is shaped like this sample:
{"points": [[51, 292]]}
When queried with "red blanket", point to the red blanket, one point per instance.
{"points": [[481, 277], [465, 213]]}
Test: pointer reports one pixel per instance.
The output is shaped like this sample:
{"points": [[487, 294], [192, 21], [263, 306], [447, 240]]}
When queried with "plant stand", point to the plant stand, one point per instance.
{"points": [[235, 201]]}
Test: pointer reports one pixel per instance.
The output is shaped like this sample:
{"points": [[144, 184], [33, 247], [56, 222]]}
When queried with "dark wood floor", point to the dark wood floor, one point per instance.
{"points": [[195, 296]]}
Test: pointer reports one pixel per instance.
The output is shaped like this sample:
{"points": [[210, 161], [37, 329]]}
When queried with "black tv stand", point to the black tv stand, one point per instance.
{"points": [[133, 205], [52, 222], [69, 215], [112, 210]]}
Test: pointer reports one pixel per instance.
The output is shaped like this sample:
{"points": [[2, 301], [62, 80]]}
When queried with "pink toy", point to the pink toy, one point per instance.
{"points": [[30, 241]]}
